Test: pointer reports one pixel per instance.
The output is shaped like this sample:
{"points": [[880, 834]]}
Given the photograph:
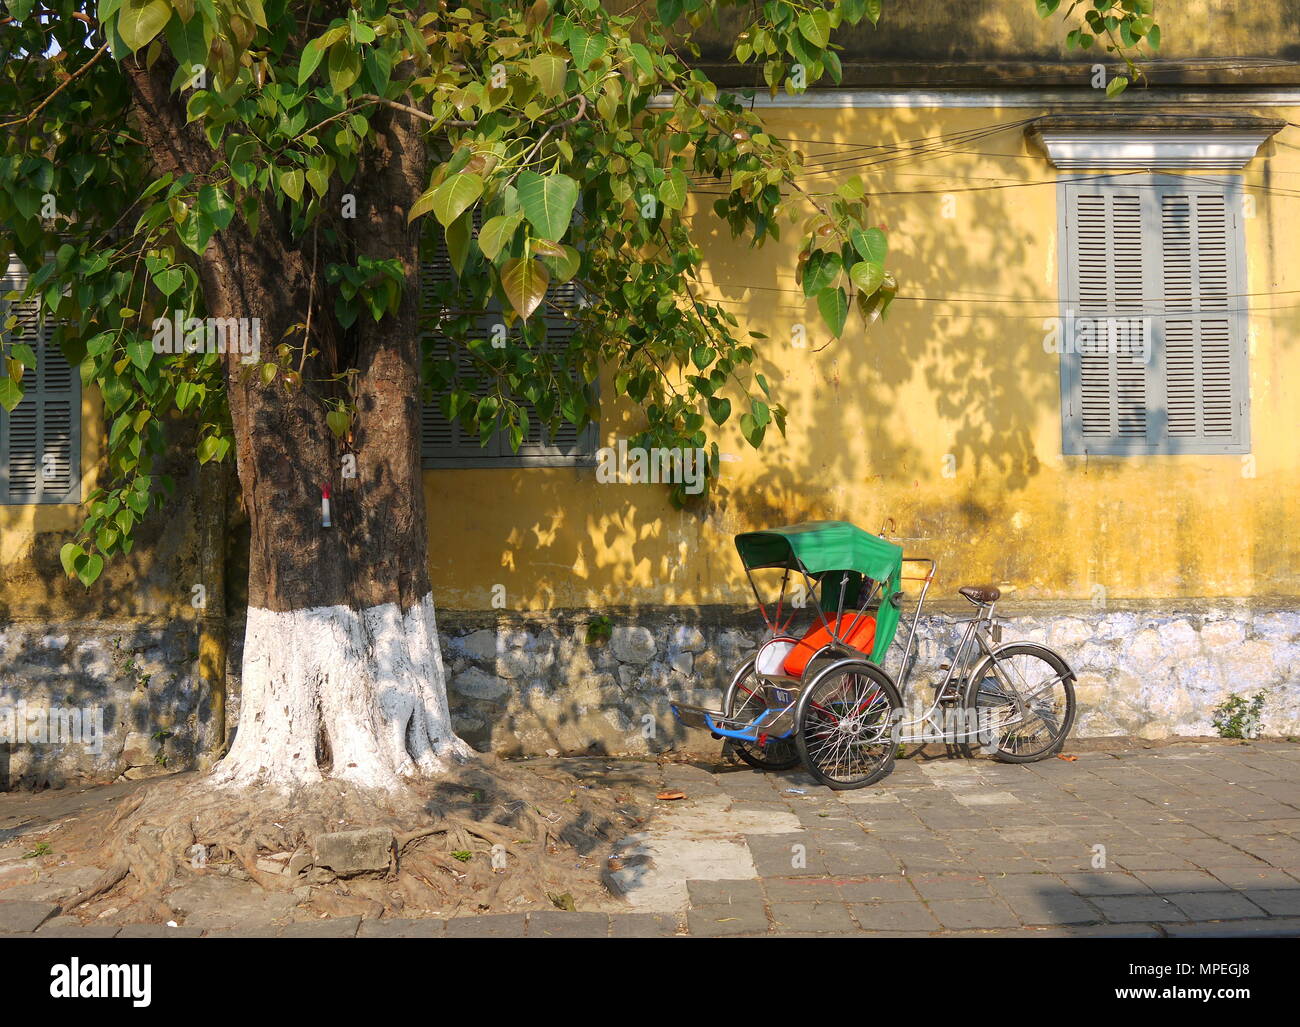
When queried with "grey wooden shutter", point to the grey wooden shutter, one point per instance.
{"points": [[568, 444], [1154, 357], [445, 443], [40, 439], [441, 440], [1203, 335]]}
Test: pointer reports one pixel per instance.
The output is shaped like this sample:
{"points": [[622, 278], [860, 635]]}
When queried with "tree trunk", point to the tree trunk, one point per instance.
{"points": [[342, 670]]}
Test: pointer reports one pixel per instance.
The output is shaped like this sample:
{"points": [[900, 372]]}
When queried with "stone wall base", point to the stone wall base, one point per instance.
{"points": [[530, 683]]}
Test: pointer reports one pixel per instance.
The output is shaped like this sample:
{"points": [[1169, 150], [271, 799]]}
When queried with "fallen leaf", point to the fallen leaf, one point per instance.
{"points": [[1068, 759], [670, 795]]}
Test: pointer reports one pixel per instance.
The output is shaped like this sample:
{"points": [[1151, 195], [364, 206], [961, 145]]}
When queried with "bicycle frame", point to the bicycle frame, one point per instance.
{"points": [[980, 639]]}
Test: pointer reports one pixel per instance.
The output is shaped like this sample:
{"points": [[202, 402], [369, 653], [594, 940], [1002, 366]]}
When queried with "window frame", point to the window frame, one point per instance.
{"points": [[1073, 442], [14, 279]]}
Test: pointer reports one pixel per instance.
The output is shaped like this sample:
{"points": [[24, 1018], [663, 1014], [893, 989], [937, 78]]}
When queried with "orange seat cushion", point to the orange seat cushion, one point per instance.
{"points": [[817, 636]]}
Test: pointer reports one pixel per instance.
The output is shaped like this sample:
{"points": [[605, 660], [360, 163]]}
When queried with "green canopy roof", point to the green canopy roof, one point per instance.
{"points": [[821, 546]]}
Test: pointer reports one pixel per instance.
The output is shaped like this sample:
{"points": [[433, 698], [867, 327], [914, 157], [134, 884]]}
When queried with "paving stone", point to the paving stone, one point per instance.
{"points": [[877, 889], [722, 893], [801, 889], [1242, 878], [1104, 882], [1275, 902], [429, 927], [642, 925], [67, 931], [1080, 931], [951, 886], [1153, 861], [159, 931], [856, 858], [1214, 905], [557, 924], [785, 855], [1164, 881], [725, 921], [1051, 908], [1019, 884], [23, 917], [334, 927], [813, 917], [496, 925], [959, 914], [1271, 927], [894, 916], [1137, 908]]}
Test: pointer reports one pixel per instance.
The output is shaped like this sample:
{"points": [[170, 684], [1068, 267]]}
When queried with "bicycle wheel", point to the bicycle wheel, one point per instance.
{"points": [[844, 725], [1022, 674], [744, 701]]}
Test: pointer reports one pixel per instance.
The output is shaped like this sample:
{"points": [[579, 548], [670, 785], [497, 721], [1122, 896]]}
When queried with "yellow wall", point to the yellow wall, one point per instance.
{"points": [[959, 368], [19, 525]]}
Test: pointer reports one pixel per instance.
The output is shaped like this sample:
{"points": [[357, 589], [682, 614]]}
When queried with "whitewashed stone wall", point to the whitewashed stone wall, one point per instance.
{"points": [[534, 684], [528, 684]]}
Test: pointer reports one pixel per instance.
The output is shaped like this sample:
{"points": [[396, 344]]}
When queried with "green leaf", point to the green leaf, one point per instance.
{"points": [[673, 190], [867, 276], [494, 235], [457, 234], [344, 66], [752, 430], [211, 447], [67, 556], [11, 393], [815, 27], [168, 280], [140, 20], [310, 60], [586, 49], [524, 282], [140, 351], [871, 244], [455, 196], [291, 182], [547, 202], [822, 269], [216, 205], [22, 352], [719, 408], [115, 392], [549, 70], [564, 265], [187, 393], [339, 421], [834, 307], [1116, 85], [88, 567]]}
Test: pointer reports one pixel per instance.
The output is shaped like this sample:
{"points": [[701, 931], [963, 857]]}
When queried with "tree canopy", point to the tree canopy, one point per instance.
{"points": [[562, 140]]}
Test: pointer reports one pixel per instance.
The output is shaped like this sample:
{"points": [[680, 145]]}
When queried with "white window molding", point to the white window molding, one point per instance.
{"points": [[1151, 141], [1150, 150]]}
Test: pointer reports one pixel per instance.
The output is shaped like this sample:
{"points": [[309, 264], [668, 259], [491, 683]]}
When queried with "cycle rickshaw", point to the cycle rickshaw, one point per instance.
{"points": [[824, 698]]}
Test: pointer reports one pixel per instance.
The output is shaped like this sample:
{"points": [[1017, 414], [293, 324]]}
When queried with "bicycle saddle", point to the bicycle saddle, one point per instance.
{"points": [[981, 595]]}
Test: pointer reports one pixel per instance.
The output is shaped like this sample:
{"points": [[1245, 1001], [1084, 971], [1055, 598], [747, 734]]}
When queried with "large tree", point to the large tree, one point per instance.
{"points": [[294, 163]]}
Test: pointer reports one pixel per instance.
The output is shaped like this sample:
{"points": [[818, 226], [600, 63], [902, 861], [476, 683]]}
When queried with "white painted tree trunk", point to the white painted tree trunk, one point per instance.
{"points": [[371, 681]]}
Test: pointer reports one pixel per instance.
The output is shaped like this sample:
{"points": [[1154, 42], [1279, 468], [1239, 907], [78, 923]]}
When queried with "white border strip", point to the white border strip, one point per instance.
{"points": [[1079, 148], [911, 98]]}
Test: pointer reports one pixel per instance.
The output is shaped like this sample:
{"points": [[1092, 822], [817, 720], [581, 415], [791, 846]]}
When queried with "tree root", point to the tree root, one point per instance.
{"points": [[486, 836]]}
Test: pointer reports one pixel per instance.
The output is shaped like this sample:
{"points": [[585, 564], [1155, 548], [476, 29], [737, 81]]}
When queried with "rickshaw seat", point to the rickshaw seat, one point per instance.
{"points": [[860, 638]]}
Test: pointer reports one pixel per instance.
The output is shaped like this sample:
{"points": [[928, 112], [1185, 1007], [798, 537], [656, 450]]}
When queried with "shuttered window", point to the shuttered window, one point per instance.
{"points": [[1154, 341], [445, 443], [40, 439]]}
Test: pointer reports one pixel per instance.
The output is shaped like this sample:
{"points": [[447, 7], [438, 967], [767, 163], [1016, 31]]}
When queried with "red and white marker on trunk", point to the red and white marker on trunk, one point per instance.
{"points": [[325, 507]]}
